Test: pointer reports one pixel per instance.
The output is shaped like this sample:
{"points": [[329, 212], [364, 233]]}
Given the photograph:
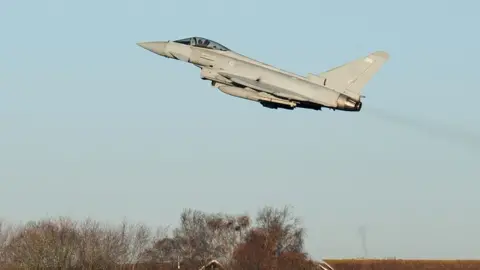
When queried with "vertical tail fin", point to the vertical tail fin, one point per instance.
{"points": [[350, 78]]}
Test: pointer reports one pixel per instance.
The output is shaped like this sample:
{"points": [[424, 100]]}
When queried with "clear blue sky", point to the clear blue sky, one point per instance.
{"points": [[93, 125]]}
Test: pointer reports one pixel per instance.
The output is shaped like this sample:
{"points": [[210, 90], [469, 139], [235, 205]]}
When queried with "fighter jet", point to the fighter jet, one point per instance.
{"points": [[339, 88]]}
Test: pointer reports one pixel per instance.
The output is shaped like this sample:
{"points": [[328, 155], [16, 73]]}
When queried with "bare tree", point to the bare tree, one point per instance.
{"points": [[140, 239], [200, 238], [111, 246], [4, 235], [284, 227], [276, 242], [63, 244], [254, 253], [43, 244]]}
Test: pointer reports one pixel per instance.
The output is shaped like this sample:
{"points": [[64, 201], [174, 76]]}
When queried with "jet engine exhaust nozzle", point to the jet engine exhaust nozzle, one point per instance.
{"points": [[347, 104]]}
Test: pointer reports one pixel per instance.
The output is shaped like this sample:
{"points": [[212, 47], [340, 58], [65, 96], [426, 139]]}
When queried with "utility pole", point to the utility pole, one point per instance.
{"points": [[363, 235]]}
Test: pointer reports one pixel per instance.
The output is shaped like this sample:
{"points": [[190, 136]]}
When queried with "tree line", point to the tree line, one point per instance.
{"points": [[273, 239]]}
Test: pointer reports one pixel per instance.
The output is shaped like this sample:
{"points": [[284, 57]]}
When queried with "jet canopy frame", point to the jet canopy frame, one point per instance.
{"points": [[202, 43]]}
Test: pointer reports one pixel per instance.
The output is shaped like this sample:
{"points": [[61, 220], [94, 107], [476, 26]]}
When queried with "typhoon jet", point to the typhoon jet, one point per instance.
{"points": [[339, 88]]}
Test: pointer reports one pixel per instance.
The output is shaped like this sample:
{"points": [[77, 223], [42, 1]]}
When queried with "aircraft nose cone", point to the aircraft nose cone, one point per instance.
{"points": [[157, 47]]}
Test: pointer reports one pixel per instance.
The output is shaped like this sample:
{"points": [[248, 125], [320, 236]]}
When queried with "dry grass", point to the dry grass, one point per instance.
{"points": [[398, 264]]}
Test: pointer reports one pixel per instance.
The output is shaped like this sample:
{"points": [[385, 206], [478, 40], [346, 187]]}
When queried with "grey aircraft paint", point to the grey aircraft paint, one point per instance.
{"points": [[240, 76]]}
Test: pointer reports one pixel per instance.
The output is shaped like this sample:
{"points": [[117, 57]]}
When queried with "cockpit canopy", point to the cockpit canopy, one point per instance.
{"points": [[203, 43]]}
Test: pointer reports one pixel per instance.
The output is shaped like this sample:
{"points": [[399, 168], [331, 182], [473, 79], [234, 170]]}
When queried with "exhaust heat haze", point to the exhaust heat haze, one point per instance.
{"points": [[450, 133]]}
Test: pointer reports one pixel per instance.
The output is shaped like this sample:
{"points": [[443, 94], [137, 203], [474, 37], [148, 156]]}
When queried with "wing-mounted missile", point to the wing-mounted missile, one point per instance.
{"points": [[263, 98]]}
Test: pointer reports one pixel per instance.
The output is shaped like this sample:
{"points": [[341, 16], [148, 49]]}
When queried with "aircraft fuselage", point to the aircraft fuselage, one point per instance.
{"points": [[243, 77]]}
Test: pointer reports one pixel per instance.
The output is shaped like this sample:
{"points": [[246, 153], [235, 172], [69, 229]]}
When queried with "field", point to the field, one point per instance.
{"points": [[397, 264]]}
